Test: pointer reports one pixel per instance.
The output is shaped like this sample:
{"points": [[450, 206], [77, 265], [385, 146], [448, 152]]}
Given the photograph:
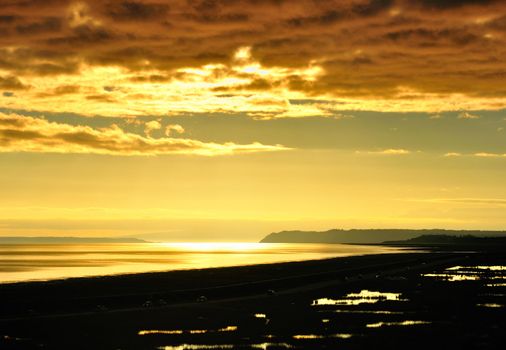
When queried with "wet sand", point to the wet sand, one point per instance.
{"points": [[274, 306]]}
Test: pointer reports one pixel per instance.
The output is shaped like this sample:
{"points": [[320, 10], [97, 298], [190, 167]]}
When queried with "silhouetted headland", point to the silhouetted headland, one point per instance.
{"points": [[367, 236], [452, 240]]}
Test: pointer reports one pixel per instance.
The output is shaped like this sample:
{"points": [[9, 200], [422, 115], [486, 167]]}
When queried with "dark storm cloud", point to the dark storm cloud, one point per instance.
{"points": [[61, 90], [84, 35], [367, 47], [50, 24], [448, 4], [38, 62], [135, 11], [12, 83], [336, 14], [7, 19]]}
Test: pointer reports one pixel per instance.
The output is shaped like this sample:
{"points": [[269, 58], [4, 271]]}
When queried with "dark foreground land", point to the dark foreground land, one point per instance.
{"points": [[417, 300]]}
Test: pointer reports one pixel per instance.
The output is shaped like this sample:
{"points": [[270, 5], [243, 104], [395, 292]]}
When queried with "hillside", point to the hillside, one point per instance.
{"points": [[450, 240], [366, 235]]}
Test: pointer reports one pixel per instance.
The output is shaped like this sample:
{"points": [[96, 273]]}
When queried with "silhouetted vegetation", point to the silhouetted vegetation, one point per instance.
{"points": [[448, 239]]}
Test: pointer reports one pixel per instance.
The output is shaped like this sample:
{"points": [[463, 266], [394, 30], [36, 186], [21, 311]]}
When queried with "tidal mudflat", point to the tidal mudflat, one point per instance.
{"points": [[379, 301]]}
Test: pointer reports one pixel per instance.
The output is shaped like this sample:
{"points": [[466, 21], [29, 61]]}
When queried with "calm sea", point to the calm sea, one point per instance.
{"points": [[24, 262]]}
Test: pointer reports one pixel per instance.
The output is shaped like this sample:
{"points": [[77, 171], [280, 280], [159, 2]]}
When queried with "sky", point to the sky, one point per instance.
{"points": [[225, 120]]}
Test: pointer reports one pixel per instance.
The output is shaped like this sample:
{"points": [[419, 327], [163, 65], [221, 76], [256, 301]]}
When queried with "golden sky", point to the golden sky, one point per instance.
{"points": [[221, 119]]}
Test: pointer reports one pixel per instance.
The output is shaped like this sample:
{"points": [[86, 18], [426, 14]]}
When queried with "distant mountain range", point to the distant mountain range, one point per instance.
{"points": [[364, 236], [58, 240]]}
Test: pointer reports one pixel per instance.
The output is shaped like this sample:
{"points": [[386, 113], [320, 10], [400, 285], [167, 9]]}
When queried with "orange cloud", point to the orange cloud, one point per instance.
{"points": [[28, 134], [386, 55]]}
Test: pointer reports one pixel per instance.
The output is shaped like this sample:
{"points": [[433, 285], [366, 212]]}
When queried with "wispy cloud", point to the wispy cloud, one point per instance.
{"points": [[151, 126], [477, 154], [389, 151], [494, 202], [20, 133], [453, 154], [467, 115], [173, 127], [489, 155]]}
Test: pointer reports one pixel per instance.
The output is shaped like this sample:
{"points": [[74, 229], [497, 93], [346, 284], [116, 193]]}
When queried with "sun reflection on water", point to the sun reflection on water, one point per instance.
{"points": [[188, 331], [262, 346], [364, 297], [321, 336], [25, 262], [402, 323]]}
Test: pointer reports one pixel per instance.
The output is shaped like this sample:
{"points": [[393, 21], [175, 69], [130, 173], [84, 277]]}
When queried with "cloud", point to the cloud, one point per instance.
{"points": [[477, 154], [384, 55], [494, 202], [173, 127], [151, 126], [449, 4], [453, 154], [12, 83], [50, 24], [158, 93], [489, 155], [467, 115], [20, 133], [390, 151], [135, 10]]}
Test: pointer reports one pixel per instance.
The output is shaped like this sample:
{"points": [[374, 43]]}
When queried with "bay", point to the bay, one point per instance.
{"points": [[29, 262]]}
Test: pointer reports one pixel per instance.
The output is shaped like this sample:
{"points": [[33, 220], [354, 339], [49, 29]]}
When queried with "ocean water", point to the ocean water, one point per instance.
{"points": [[27, 262]]}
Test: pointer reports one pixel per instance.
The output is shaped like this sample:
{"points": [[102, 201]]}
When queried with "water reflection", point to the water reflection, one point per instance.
{"points": [[451, 277], [364, 297], [262, 346], [491, 305], [470, 273], [479, 267], [22, 262], [402, 323], [496, 284], [159, 331], [188, 331], [318, 336], [378, 312]]}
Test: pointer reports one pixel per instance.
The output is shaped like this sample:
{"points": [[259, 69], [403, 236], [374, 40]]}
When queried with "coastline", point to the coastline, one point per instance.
{"points": [[82, 309], [186, 285], [50, 262]]}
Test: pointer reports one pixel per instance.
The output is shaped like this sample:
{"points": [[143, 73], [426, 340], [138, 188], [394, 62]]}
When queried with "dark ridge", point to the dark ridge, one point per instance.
{"points": [[447, 239], [363, 236]]}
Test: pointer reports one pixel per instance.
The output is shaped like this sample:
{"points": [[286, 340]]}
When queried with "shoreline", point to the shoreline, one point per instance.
{"points": [[167, 269], [111, 312], [127, 290]]}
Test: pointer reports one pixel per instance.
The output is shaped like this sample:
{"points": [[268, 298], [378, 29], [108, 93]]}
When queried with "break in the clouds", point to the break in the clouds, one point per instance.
{"points": [[145, 57], [20, 133]]}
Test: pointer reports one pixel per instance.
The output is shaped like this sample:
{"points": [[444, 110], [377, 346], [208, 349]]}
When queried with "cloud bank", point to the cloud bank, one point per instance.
{"points": [[140, 57], [20, 133]]}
